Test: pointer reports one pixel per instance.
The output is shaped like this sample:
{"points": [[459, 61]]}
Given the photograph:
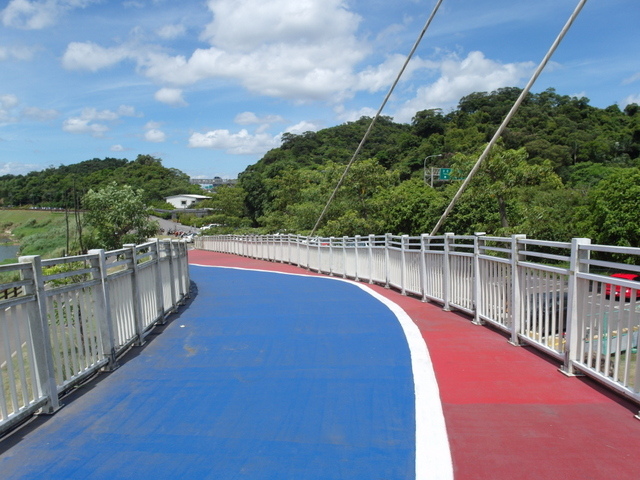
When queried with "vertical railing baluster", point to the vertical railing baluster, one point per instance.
{"points": [[40, 336], [577, 264], [478, 242], [516, 291], [387, 263], [403, 263], [446, 274], [103, 307], [135, 287]]}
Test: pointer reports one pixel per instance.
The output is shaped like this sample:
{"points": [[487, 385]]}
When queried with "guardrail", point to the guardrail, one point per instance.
{"points": [[75, 316], [543, 294]]}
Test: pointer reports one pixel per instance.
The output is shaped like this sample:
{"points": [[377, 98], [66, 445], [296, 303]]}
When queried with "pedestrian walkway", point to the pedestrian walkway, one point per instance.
{"points": [[299, 376], [509, 412]]}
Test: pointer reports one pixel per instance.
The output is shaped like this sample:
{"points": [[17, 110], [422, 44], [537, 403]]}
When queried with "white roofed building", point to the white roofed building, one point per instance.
{"points": [[186, 200]]}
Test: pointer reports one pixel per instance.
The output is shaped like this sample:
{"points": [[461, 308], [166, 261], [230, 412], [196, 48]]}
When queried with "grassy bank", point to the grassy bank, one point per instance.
{"points": [[39, 232]]}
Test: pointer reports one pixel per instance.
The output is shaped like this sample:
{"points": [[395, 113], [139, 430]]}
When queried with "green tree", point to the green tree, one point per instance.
{"points": [[117, 215], [614, 208], [228, 208], [410, 208], [502, 186]]}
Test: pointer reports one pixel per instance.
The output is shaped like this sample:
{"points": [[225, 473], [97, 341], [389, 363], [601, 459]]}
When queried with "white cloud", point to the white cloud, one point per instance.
{"points": [[36, 15], [277, 22], [6, 117], [170, 32], [8, 101], [171, 96], [154, 135], [241, 143], [353, 115], [458, 78], [250, 118], [38, 114], [127, 111], [92, 57], [117, 148], [246, 118], [633, 78], [14, 168], [88, 120], [297, 49], [245, 143], [631, 99], [302, 127], [17, 53], [9, 113], [84, 125], [379, 77]]}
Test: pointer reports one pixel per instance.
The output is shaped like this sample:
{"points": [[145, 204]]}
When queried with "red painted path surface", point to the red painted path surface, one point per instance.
{"points": [[509, 413]]}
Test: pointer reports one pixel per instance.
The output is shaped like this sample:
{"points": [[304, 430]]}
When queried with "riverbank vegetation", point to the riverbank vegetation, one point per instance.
{"points": [[40, 232]]}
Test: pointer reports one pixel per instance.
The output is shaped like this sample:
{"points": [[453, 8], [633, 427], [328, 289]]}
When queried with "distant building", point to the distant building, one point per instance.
{"points": [[186, 200], [211, 184]]}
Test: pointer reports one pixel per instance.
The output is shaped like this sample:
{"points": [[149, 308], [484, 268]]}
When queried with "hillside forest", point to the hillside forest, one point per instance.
{"points": [[562, 169]]}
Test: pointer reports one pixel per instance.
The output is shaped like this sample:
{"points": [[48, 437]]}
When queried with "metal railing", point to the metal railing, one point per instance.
{"points": [[543, 294], [75, 316]]}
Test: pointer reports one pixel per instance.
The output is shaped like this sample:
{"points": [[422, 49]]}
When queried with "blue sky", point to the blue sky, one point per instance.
{"points": [[210, 86]]}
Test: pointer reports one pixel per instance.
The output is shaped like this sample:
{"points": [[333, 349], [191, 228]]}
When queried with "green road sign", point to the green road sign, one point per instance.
{"points": [[445, 174]]}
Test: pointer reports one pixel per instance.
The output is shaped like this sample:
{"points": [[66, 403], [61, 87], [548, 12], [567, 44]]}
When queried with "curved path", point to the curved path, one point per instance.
{"points": [[509, 413], [300, 376]]}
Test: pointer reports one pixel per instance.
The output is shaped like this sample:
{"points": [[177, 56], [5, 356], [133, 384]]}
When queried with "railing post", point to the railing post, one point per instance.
{"points": [[185, 272], [40, 336], [572, 337], [516, 292], [478, 242], [344, 256], [137, 310], [355, 260], [319, 256], [403, 266], [181, 253], [387, 245], [159, 287], [446, 274], [103, 308], [289, 249], [372, 239], [331, 256], [423, 266]]}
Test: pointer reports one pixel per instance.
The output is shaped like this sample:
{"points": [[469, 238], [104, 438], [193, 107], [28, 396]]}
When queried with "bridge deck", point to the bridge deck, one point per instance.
{"points": [[287, 377]]}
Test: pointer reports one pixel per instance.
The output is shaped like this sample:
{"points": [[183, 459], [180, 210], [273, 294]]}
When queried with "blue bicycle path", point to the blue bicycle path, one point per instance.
{"points": [[263, 376]]}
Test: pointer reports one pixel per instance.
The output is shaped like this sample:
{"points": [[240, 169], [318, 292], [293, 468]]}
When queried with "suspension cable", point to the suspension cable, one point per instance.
{"points": [[510, 115], [375, 118]]}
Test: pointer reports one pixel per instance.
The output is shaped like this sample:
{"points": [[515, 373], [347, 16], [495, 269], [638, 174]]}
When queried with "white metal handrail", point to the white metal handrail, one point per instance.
{"points": [[76, 315], [541, 293]]}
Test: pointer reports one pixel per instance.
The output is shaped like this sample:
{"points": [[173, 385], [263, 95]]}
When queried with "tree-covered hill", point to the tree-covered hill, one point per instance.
{"points": [[562, 169], [64, 186], [547, 178]]}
